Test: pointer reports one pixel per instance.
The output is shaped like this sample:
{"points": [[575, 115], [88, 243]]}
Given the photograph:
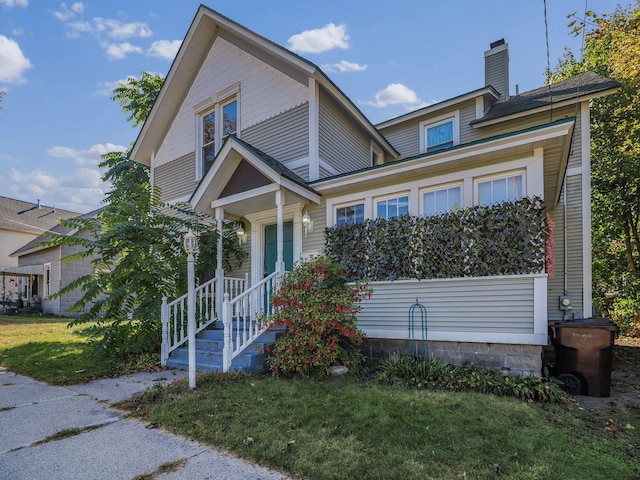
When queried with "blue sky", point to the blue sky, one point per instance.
{"points": [[60, 61]]}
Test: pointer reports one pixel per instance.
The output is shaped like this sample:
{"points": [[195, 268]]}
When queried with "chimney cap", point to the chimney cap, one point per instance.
{"points": [[497, 43]]}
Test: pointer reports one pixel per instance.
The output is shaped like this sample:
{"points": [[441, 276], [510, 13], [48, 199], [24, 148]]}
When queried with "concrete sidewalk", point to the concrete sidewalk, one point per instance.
{"points": [[111, 447]]}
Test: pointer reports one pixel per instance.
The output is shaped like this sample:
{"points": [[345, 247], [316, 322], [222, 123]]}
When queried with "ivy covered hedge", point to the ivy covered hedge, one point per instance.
{"points": [[504, 239]]}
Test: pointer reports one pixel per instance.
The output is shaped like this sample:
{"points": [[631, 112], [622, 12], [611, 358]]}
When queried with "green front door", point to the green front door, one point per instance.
{"points": [[271, 247]]}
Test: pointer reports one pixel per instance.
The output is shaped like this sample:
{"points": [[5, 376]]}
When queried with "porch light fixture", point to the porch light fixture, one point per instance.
{"points": [[307, 223], [242, 236]]}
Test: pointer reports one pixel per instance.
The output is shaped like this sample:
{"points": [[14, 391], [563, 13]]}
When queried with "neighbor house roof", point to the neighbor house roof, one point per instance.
{"points": [[584, 86], [37, 243], [30, 217]]}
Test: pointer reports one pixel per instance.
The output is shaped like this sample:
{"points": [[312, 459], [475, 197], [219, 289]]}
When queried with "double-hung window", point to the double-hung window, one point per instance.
{"points": [[216, 121], [350, 214], [500, 189], [440, 200], [392, 207]]}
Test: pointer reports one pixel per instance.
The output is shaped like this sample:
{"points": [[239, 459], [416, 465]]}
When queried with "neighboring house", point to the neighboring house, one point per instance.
{"points": [[57, 274], [246, 130], [20, 223]]}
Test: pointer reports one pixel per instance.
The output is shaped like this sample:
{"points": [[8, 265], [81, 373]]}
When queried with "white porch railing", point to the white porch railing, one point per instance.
{"points": [[174, 314], [246, 317]]}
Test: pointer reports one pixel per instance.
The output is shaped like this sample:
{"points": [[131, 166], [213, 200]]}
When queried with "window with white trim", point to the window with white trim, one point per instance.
{"points": [[216, 119], [392, 207], [442, 199], [350, 214], [504, 188], [440, 133]]}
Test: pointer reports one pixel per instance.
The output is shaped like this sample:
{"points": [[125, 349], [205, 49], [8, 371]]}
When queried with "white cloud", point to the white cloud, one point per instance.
{"points": [[90, 156], [164, 49], [111, 27], [67, 13], [13, 61], [320, 39], [117, 51], [118, 30], [80, 191], [344, 66], [14, 3], [396, 94]]}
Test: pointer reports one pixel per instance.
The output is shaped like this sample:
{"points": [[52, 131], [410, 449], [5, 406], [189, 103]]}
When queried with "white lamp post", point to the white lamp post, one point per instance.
{"points": [[190, 244]]}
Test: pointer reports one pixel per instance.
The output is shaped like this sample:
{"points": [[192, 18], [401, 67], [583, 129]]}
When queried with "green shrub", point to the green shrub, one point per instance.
{"points": [[432, 373], [319, 309], [509, 238]]}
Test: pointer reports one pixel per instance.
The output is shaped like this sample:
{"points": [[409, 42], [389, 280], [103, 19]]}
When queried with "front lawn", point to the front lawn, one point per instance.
{"points": [[44, 348], [346, 428]]}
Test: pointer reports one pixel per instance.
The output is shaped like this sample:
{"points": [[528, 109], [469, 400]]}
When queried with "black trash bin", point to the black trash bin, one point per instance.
{"points": [[584, 355]]}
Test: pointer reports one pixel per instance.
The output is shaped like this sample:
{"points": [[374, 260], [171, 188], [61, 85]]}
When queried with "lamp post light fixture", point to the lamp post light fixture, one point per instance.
{"points": [[190, 244]]}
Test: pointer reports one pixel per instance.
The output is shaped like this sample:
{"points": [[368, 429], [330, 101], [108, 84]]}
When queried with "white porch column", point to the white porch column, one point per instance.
{"points": [[219, 270], [280, 232]]}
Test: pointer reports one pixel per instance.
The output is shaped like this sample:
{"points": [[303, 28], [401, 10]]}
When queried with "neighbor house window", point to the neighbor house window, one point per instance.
{"points": [[392, 207], [350, 214], [441, 200], [47, 280], [440, 133], [500, 189]]}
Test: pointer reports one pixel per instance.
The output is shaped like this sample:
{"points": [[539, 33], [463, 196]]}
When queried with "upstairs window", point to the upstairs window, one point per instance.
{"points": [[441, 200], [350, 214], [501, 189], [440, 133], [216, 119], [208, 140], [392, 207]]}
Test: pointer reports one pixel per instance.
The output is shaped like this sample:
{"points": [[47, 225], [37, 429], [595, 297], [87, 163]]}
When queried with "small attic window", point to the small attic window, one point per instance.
{"points": [[440, 133]]}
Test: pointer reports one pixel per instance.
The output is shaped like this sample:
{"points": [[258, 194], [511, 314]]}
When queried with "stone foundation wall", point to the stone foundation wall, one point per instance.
{"points": [[521, 359]]}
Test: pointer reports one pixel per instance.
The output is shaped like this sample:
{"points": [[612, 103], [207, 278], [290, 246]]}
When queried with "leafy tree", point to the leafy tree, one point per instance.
{"points": [[612, 49], [137, 97], [134, 243]]}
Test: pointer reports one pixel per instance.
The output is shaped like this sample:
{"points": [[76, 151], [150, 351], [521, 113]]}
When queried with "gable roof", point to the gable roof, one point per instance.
{"points": [[206, 26], [583, 86], [230, 156], [29, 217]]}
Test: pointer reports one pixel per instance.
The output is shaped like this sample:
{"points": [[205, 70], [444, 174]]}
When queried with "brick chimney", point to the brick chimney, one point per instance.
{"points": [[496, 68]]}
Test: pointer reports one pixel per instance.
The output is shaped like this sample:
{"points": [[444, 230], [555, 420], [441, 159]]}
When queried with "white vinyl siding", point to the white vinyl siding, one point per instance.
{"points": [[342, 145], [284, 137], [464, 309], [175, 179]]}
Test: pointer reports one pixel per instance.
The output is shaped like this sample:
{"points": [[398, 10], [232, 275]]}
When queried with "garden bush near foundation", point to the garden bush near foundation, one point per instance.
{"points": [[421, 372], [319, 309]]}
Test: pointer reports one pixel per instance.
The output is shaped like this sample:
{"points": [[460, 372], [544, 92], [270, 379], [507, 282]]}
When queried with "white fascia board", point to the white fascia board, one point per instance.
{"points": [[392, 169]]}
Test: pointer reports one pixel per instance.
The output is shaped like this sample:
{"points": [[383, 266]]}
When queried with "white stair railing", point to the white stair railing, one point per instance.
{"points": [[246, 317], [174, 314]]}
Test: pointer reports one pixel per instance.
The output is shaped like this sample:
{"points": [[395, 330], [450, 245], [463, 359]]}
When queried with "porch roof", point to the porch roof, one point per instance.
{"points": [[219, 188], [23, 271]]}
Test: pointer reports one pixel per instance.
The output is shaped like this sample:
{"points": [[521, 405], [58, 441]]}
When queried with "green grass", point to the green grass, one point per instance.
{"points": [[344, 428], [44, 348]]}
